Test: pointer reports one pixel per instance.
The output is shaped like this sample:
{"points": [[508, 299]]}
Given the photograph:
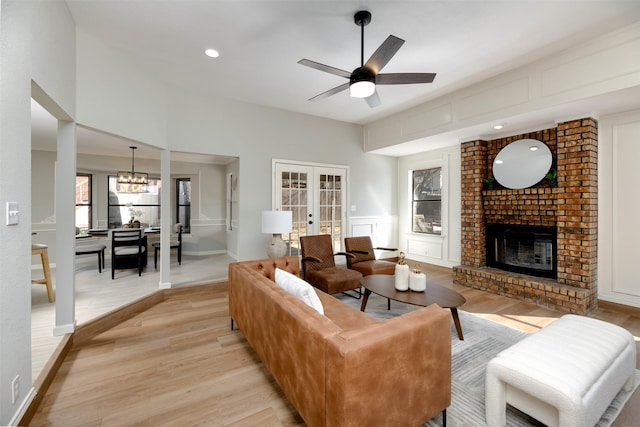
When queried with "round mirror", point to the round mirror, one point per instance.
{"points": [[522, 163]]}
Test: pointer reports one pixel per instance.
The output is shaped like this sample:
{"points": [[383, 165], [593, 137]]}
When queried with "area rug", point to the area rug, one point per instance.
{"points": [[483, 340]]}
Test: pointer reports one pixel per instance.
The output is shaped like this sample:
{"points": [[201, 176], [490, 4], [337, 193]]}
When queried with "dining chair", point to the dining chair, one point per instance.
{"points": [[128, 250], [173, 244]]}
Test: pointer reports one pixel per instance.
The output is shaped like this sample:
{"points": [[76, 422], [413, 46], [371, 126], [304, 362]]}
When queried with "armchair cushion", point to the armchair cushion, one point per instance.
{"points": [[299, 289], [333, 280], [364, 258], [378, 266]]}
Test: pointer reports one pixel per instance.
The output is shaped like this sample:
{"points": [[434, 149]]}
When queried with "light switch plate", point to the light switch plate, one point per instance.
{"points": [[12, 213]]}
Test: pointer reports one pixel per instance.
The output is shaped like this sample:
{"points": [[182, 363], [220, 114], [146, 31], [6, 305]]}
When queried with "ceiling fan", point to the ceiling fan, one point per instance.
{"points": [[363, 80]]}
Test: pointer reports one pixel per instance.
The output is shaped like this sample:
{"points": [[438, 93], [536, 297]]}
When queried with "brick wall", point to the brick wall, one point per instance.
{"points": [[571, 207], [474, 170]]}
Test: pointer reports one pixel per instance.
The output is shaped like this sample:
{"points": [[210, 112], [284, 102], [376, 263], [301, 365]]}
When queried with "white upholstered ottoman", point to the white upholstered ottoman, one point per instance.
{"points": [[564, 375]]}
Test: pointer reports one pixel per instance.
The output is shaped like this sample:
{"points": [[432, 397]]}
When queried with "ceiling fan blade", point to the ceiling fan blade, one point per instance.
{"points": [[330, 92], [383, 54], [325, 68], [373, 100], [404, 78]]}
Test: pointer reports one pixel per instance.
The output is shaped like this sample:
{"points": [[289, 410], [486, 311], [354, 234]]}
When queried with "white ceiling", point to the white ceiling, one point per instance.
{"points": [[260, 42]]}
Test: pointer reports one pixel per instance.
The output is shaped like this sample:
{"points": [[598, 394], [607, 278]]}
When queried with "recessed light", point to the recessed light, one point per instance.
{"points": [[498, 127], [499, 162], [212, 53], [534, 148]]}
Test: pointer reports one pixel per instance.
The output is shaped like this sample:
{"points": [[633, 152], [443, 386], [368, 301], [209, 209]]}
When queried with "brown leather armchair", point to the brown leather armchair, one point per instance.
{"points": [[364, 258], [319, 267]]}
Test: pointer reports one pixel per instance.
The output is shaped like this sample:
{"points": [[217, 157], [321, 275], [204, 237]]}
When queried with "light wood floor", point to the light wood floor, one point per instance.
{"points": [[178, 363], [97, 294]]}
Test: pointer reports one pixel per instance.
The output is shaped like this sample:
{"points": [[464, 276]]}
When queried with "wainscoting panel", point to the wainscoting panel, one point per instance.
{"points": [[382, 231], [424, 250], [626, 233], [207, 237]]}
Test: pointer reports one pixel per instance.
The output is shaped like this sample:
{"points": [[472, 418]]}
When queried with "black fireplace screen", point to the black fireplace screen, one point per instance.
{"points": [[522, 249]]}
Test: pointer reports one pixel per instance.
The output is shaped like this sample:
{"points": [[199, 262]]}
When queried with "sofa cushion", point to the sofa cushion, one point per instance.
{"points": [[299, 289], [344, 315]]}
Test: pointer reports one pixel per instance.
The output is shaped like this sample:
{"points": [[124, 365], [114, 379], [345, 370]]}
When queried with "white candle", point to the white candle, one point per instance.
{"points": [[417, 281], [402, 277]]}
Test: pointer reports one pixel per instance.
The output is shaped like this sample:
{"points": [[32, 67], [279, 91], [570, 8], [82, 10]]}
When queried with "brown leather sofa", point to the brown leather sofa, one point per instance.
{"points": [[345, 368]]}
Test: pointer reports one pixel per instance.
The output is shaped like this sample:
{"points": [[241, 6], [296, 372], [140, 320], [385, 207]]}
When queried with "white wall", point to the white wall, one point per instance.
{"points": [[36, 41], [618, 206], [115, 95], [208, 208], [440, 250]]}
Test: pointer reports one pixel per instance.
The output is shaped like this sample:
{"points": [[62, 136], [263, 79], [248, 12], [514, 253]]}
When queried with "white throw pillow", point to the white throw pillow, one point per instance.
{"points": [[299, 289]]}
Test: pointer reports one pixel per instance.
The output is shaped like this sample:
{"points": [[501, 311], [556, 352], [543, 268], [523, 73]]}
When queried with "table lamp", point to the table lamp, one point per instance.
{"points": [[276, 223]]}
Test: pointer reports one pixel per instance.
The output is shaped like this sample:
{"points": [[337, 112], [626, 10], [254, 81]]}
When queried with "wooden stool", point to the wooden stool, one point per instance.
{"points": [[40, 249]]}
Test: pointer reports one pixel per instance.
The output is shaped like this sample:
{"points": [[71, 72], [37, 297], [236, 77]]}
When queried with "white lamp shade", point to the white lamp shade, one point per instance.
{"points": [[276, 222]]}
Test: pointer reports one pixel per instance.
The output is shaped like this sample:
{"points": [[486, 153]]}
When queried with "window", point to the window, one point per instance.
{"points": [[83, 201], [125, 207], [427, 201], [183, 203]]}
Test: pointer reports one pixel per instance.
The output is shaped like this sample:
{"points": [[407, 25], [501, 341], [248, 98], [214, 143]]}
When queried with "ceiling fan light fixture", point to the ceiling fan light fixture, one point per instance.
{"points": [[362, 89]]}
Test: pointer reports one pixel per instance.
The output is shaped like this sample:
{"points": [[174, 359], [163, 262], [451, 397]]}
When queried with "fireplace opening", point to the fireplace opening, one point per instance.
{"points": [[522, 249]]}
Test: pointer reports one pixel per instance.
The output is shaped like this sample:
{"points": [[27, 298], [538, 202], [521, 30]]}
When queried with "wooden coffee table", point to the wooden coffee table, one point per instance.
{"points": [[384, 285]]}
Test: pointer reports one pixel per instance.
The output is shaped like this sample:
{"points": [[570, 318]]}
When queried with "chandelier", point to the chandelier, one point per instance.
{"points": [[132, 182]]}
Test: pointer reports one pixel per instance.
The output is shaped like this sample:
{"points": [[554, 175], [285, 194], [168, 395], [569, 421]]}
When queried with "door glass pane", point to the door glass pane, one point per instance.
{"points": [[294, 199], [330, 209]]}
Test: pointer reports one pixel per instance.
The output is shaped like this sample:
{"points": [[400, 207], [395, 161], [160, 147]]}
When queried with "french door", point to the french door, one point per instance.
{"points": [[316, 196]]}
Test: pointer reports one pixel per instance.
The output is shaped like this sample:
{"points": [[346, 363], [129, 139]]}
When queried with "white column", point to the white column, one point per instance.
{"points": [[65, 228], [166, 224]]}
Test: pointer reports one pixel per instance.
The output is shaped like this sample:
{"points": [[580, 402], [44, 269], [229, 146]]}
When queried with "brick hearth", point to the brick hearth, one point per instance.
{"points": [[571, 207]]}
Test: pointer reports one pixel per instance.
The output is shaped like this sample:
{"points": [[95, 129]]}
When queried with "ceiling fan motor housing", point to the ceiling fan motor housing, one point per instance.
{"points": [[362, 74]]}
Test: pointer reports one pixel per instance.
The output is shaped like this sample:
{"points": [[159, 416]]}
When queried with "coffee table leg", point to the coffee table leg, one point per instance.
{"points": [[456, 321], [365, 298]]}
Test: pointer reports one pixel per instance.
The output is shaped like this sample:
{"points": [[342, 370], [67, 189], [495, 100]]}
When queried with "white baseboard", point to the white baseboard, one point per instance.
{"points": [[617, 300], [64, 329], [204, 253], [23, 407]]}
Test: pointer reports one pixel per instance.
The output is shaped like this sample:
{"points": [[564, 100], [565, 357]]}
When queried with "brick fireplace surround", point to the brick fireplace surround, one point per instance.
{"points": [[572, 207]]}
